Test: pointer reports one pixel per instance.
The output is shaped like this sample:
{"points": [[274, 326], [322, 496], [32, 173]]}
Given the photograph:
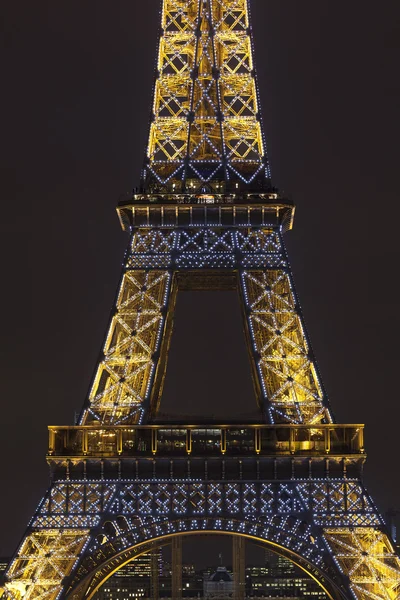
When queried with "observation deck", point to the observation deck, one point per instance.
{"points": [[203, 209], [206, 451]]}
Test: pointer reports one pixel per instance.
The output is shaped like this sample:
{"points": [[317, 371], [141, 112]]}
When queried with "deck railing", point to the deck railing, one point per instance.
{"points": [[207, 440]]}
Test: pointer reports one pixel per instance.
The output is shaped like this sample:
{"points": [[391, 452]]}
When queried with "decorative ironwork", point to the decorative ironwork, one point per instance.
{"points": [[124, 376], [368, 559], [206, 218], [289, 387], [206, 126], [45, 558], [121, 515]]}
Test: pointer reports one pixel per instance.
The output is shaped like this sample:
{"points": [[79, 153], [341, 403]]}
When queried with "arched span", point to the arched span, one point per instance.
{"points": [[123, 539]]}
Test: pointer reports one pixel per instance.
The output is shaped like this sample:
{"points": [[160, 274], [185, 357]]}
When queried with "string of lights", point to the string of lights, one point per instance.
{"points": [[205, 217]]}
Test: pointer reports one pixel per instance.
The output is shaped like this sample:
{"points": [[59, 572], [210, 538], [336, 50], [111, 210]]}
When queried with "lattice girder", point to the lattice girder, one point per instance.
{"points": [[45, 558], [368, 558], [286, 377], [123, 379], [206, 217], [206, 123], [80, 526], [287, 371]]}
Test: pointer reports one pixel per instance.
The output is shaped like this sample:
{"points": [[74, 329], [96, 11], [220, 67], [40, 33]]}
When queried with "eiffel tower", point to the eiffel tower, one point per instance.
{"points": [[124, 483]]}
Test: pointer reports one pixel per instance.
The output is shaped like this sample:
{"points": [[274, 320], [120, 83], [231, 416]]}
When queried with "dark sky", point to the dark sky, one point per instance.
{"points": [[76, 81]]}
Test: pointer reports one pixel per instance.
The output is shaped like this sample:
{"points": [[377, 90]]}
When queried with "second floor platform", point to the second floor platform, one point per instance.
{"points": [[169, 440]]}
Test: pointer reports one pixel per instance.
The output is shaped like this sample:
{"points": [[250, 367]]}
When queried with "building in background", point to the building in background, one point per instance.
{"points": [[188, 569], [218, 585], [280, 578], [133, 581]]}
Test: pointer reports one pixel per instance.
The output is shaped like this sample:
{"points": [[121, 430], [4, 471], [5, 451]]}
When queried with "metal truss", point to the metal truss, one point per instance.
{"points": [[81, 528], [206, 125], [285, 372], [367, 558], [44, 559], [123, 379], [206, 217]]}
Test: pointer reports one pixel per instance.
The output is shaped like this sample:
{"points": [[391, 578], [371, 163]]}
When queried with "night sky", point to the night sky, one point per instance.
{"points": [[76, 84]]}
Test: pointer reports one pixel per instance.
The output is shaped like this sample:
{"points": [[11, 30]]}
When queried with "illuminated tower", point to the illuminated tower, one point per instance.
{"points": [[206, 217]]}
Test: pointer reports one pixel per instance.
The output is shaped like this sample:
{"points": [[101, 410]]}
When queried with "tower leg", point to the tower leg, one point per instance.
{"points": [[239, 567], [177, 568], [154, 580]]}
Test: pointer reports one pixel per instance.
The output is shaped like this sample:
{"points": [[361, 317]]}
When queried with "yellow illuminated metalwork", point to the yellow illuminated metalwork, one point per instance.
{"points": [[123, 378], [206, 123], [129, 377], [44, 559], [199, 221], [286, 367], [367, 557]]}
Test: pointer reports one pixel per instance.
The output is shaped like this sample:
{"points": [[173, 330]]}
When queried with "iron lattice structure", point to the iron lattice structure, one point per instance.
{"points": [[206, 217], [159, 261], [206, 124]]}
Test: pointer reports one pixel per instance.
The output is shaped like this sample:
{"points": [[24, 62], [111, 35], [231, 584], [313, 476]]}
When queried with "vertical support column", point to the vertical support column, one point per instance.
{"points": [[139, 331], [270, 292], [177, 568], [239, 567], [154, 580]]}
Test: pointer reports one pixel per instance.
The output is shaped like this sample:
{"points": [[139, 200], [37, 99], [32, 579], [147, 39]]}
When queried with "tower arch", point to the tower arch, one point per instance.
{"points": [[85, 585]]}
